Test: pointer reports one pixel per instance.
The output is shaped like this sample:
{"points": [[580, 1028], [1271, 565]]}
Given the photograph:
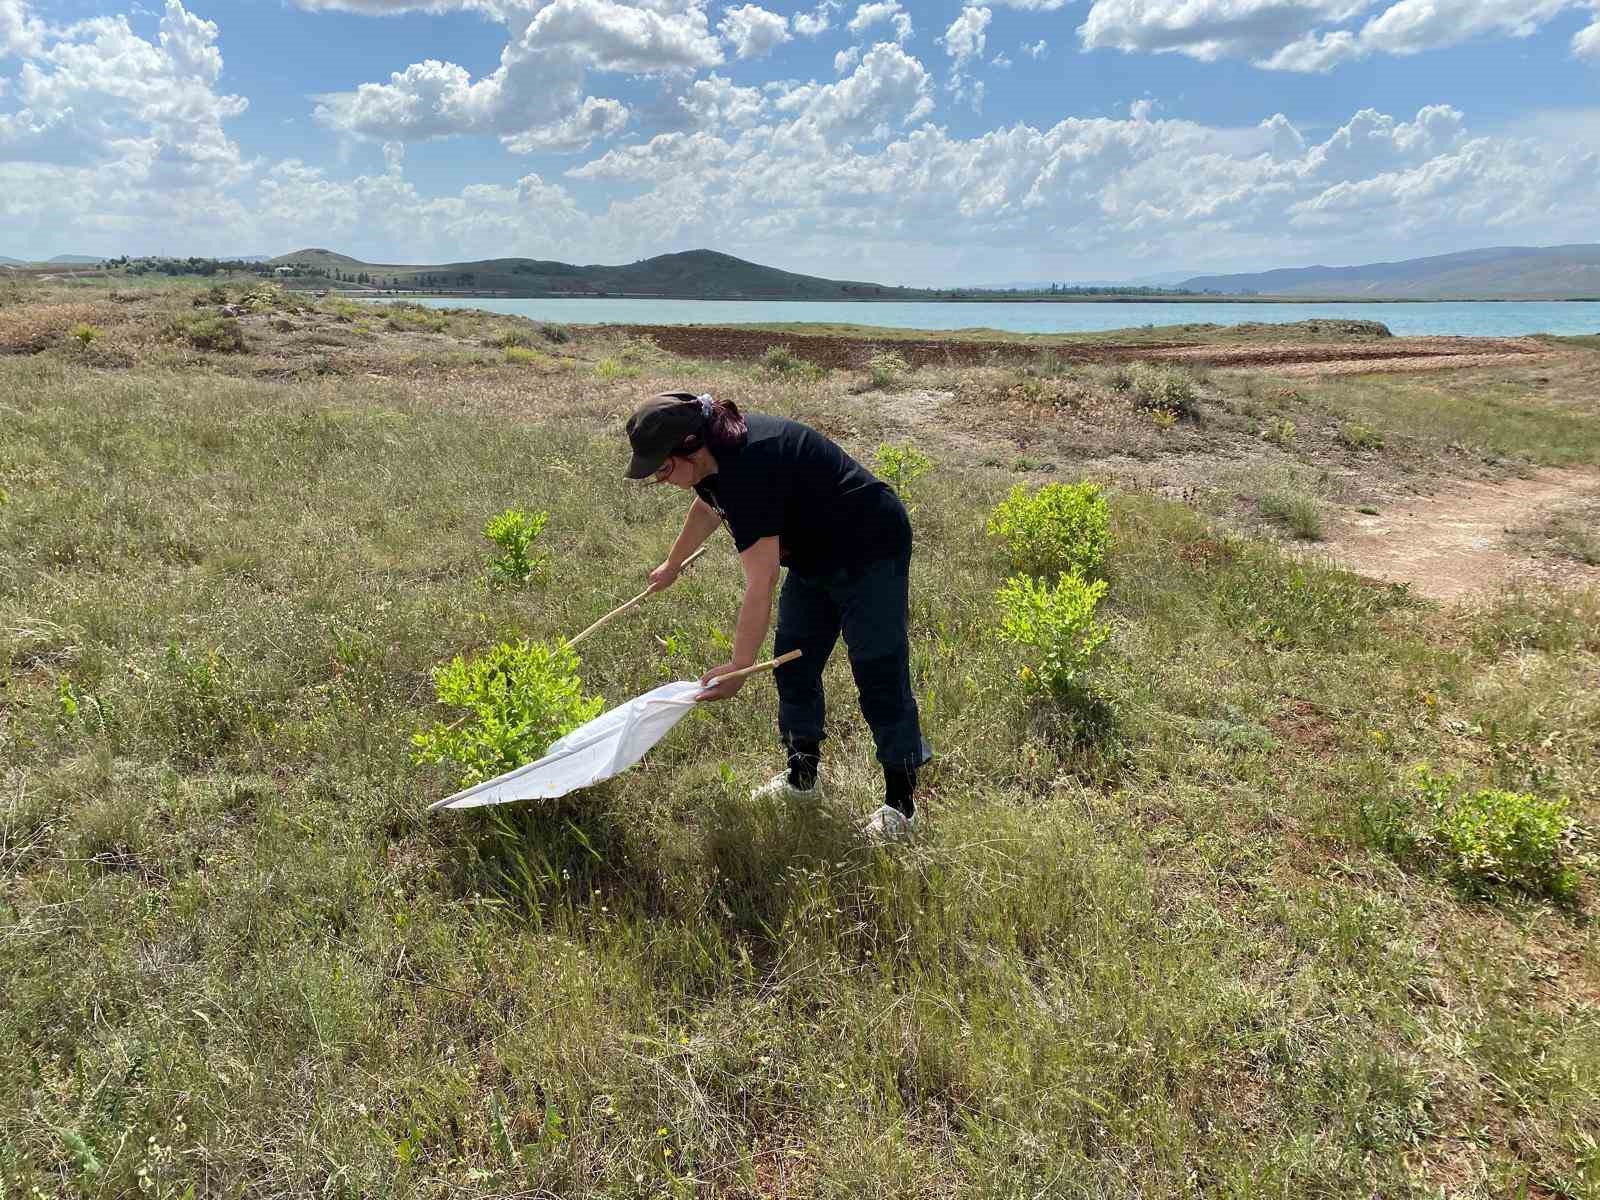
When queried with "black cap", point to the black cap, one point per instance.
{"points": [[658, 427]]}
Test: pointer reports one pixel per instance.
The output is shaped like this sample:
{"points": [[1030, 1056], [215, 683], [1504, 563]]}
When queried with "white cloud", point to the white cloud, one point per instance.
{"points": [[753, 31], [964, 40], [20, 34], [1035, 49], [535, 98], [1303, 35], [818, 20], [846, 60], [596, 119], [878, 12], [1001, 60], [715, 102], [889, 88], [1586, 42], [1033, 5]]}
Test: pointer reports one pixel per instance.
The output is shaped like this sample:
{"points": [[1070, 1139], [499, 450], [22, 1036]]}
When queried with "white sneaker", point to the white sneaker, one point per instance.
{"points": [[779, 788], [889, 824]]}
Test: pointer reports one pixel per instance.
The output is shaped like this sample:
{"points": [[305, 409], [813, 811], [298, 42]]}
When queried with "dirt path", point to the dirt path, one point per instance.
{"points": [[1453, 544]]}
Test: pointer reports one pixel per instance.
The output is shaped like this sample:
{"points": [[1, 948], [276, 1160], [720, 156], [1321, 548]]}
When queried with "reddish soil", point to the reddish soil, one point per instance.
{"points": [[1437, 353]]}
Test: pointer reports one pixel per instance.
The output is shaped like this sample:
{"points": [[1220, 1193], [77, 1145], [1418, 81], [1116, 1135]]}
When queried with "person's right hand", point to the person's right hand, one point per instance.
{"points": [[664, 576]]}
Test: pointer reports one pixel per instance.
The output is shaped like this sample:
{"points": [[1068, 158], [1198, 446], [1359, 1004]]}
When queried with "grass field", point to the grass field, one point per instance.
{"points": [[1194, 949]]}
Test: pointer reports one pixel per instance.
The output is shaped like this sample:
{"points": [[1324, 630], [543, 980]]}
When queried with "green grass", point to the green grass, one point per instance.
{"points": [[1164, 955], [1543, 416]]}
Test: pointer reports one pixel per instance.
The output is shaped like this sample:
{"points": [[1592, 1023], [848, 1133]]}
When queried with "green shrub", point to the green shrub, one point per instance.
{"points": [[404, 316], [1280, 431], [781, 359], [213, 333], [509, 339], [555, 333], [85, 334], [1356, 436], [523, 356], [1162, 389], [1057, 623], [886, 368], [196, 707], [1060, 527], [1294, 510], [1493, 838], [610, 369], [901, 466], [519, 696], [515, 532]]}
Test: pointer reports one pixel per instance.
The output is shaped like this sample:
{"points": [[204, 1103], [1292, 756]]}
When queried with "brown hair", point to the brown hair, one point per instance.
{"points": [[725, 428]]}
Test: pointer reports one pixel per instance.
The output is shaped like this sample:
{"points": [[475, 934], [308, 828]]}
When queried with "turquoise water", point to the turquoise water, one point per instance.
{"points": [[1508, 319]]}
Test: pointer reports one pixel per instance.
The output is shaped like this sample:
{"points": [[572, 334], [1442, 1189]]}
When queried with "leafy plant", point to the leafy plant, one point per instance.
{"points": [[508, 339], [1164, 419], [1162, 389], [1060, 527], [520, 697], [515, 532], [552, 332], [1356, 436], [886, 368], [212, 333], [522, 356], [1280, 431], [1283, 606], [901, 466], [85, 334], [1055, 621], [609, 369], [781, 359], [1496, 838]]}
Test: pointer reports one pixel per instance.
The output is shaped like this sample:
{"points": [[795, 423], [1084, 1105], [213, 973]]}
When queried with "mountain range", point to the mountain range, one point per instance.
{"points": [[1495, 273]]}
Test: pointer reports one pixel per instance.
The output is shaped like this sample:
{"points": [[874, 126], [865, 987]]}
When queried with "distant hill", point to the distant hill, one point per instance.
{"points": [[12, 262], [77, 260], [693, 274], [1499, 272]]}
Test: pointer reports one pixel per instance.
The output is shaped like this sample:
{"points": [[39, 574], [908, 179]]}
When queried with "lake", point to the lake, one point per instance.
{"points": [[1464, 318]]}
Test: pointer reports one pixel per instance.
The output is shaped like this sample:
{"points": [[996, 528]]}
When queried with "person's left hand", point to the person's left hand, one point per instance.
{"points": [[715, 689]]}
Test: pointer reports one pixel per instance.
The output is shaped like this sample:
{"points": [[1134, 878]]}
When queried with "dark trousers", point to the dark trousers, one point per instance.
{"points": [[870, 606]]}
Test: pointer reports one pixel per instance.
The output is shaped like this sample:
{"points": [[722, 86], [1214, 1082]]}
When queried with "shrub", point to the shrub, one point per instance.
{"points": [[519, 696], [509, 339], [1163, 389], [555, 333], [1164, 419], [1494, 838], [85, 334], [1298, 512], [887, 368], [1057, 623], [1060, 527], [609, 369], [515, 532], [901, 466], [213, 333], [195, 707], [264, 297], [523, 356], [1280, 431], [1356, 436], [781, 359], [407, 317]]}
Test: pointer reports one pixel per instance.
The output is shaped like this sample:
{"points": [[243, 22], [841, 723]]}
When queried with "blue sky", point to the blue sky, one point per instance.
{"points": [[916, 143]]}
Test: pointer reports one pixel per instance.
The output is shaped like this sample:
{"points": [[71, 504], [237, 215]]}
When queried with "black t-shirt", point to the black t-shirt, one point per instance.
{"points": [[790, 482]]}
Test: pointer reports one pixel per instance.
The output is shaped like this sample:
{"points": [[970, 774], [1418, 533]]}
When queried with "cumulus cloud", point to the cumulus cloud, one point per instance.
{"points": [[964, 40], [878, 12], [1035, 49], [846, 59], [20, 34], [1304, 35], [535, 99], [818, 20], [1586, 42], [888, 88], [94, 93], [716, 103], [753, 31]]}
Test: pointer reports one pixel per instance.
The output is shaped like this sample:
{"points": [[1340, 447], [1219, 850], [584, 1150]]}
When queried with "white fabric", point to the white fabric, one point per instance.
{"points": [[606, 746]]}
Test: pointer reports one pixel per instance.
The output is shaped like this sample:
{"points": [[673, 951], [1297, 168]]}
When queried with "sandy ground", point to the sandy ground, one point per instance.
{"points": [[1454, 544]]}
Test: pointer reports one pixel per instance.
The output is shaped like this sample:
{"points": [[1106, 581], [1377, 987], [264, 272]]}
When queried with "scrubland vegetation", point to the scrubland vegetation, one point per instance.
{"points": [[1240, 875]]}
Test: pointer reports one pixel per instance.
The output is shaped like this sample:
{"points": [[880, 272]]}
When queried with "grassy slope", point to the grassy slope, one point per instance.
{"points": [[1171, 964]]}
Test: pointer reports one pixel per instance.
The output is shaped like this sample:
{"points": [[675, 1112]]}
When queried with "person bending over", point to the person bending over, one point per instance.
{"points": [[793, 498]]}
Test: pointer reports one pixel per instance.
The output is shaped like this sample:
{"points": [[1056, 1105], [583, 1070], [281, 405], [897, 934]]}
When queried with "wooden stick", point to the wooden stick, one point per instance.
{"points": [[769, 665], [622, 608]]}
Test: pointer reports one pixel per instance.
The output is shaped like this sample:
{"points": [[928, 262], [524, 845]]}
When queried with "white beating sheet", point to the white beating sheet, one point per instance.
{"points": [[605, 746]]}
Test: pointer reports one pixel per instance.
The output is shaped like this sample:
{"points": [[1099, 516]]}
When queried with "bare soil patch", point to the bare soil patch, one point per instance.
{"points": [[1455, 543], [1420, 353]]}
